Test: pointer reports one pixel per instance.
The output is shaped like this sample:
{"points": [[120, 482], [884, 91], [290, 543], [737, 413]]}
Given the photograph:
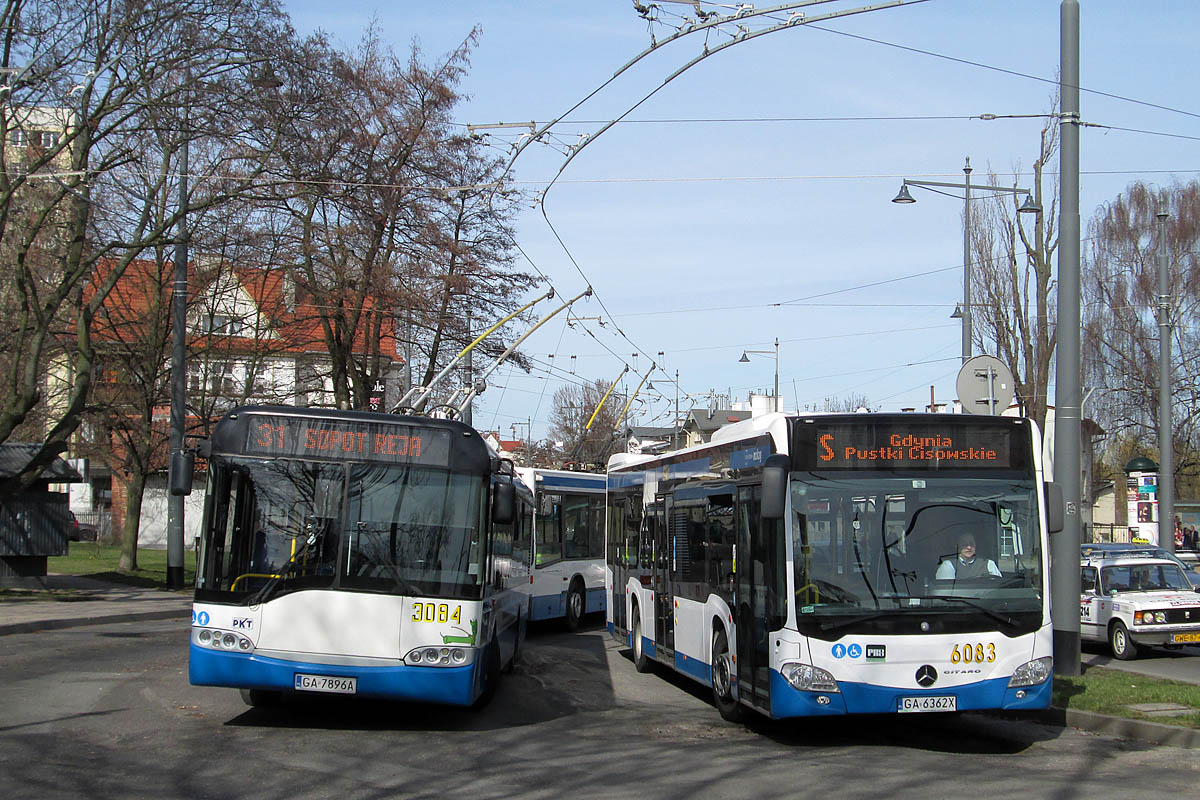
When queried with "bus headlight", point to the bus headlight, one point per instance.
{"points": [[808, 678], [222, 640], [1031, 673], [440, 656]]}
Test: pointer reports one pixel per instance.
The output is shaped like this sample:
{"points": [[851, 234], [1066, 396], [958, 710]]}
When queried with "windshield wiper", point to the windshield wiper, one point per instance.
{"points": [[842, 623], [973, 603]]}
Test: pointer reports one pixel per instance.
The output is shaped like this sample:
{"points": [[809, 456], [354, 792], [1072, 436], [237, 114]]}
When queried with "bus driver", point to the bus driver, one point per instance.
{"points": [[965, 564]]}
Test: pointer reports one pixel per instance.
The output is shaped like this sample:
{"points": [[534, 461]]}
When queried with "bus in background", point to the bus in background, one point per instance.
{"points": [[355, 553], [568, 566], [817, 564]]}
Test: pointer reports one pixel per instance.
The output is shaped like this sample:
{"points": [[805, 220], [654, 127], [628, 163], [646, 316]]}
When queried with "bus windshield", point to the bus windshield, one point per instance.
{"points": [[283, 524], [874, 552]]}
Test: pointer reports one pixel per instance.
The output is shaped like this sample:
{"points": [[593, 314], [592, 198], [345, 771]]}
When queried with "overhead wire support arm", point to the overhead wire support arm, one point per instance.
{"points": [[633, 396], [426, 390], [481, 382]]}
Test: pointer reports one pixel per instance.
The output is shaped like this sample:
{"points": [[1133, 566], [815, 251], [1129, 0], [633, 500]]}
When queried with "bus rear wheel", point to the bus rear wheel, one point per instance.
{"points": [[722, 679], [641, 662], [575, 605]]}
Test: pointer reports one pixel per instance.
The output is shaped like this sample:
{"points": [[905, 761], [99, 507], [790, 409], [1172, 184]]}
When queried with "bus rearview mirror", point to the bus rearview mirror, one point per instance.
{"points": [[774, 487]]}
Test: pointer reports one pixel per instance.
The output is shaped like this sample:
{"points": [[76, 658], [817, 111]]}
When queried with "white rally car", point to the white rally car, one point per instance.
{"points": [[1131, 600]]}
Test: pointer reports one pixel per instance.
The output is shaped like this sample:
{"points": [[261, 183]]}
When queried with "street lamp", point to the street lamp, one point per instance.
{"points": [[745, 359], [179, 465], [1030, 206]]}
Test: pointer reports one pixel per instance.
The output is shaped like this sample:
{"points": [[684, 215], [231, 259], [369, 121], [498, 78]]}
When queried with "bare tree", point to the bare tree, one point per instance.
{"points": [[124, 85], [574, 406], [1120, 329], [1013, 305]]}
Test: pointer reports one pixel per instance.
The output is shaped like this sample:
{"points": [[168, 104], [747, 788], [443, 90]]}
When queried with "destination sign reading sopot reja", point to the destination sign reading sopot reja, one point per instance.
{"points": [[875, 447], [340, 439]]}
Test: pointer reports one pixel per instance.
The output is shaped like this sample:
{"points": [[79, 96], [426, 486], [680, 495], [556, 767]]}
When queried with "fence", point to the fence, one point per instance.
{"points": [[1101, 532]]}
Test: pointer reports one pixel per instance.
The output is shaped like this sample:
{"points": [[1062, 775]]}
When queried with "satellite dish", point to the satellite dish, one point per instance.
{"points": [[985, 385]]}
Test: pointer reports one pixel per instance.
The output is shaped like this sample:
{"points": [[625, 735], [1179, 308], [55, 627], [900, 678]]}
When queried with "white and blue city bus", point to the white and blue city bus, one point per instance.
{"points": [[360, 554], [794, 564], [568, 565]]}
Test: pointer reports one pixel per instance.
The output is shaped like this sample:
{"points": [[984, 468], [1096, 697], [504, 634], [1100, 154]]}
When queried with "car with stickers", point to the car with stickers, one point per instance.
{"points": [[1191, 568], [1135, 600]]}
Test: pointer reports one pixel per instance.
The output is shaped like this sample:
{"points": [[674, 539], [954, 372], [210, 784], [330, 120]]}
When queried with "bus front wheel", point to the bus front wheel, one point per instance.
{"points": [[491, 676], [261, 698], [722, 679]]}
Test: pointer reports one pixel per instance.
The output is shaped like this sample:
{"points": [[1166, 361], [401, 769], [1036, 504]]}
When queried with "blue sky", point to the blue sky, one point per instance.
{"points": [[743, 203]]}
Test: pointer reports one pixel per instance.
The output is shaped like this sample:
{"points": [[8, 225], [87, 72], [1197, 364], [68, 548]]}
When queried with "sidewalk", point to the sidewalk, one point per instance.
{"points": [[99, 602], [90, 602]]}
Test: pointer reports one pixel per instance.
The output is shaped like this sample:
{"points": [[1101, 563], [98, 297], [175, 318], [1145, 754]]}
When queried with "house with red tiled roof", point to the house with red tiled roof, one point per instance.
{"points": [[253, 337]]}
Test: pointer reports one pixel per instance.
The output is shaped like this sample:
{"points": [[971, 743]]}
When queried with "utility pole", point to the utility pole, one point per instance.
{"points": [[1064, 546], [1166, 433]]}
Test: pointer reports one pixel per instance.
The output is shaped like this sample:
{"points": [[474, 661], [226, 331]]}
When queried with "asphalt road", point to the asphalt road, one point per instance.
{"points": [[1181, 665], [106, 711]]}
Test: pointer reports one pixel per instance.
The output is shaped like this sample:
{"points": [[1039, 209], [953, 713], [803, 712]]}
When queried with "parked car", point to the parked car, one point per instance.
{"points": [[1190, 568], [80, 531], [1134, 600]]}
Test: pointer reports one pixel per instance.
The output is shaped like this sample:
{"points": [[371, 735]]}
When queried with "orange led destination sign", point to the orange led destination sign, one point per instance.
{"points": [[905, 448], [887, 446], [344, 439]]}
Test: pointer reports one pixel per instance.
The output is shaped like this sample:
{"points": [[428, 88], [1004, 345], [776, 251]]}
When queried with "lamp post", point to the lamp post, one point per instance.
{"points": [[177, 482], [1166, 447], [745, 359], [1030, 206]]}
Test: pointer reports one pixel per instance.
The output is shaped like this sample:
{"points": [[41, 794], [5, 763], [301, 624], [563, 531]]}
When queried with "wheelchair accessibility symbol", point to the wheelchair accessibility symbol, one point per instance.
{"points": [[854, 651]]}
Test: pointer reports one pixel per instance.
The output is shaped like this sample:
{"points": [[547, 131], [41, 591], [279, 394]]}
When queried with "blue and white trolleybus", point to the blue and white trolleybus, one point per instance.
{"points": [[360, 554], [819, 564], [568, 567]]}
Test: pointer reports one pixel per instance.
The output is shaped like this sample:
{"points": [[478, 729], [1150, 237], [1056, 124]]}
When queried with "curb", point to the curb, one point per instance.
{"points": [[1120, 727], [33, 626], [1153, 732]]}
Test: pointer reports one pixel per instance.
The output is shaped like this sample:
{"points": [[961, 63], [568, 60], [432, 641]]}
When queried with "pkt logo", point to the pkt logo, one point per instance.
{"points": [[244, 623]]}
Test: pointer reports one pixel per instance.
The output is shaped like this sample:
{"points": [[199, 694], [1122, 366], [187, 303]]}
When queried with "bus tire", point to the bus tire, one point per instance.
{"points": [[261, 698], [575, 605], [518, 637], [641, 662], [722, 679], [1123, 647], [491, 676]]}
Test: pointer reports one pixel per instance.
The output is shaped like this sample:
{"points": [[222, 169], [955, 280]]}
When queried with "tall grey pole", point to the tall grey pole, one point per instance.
{"points": [[675, 427], [468, 412], [776, 397], [178, 381], [966, 310], [1064, 546], [1166, 436]]}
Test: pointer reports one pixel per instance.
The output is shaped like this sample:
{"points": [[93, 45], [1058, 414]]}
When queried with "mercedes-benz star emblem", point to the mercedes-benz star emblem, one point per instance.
{"points": [[926, 676]]}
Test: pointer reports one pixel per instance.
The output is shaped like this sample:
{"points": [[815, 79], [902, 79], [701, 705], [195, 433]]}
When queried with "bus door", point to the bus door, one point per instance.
{"points": [[755, 602], [664, 600]]}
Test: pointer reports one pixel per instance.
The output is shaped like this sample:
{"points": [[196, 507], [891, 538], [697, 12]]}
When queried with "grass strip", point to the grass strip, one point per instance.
{"points": [[100, 561], [1113, 691]]}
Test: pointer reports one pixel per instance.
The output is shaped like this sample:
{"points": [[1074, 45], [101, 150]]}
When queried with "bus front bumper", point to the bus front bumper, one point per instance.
{"points": [[449, 685]]}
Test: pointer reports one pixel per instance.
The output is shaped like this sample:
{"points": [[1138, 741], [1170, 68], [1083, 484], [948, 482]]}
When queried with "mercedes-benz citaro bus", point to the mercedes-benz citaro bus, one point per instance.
{"points": [[356, 553], [568, 560], [840, 564]]}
